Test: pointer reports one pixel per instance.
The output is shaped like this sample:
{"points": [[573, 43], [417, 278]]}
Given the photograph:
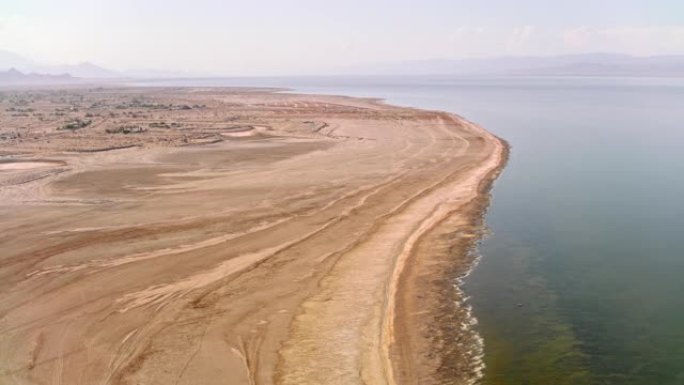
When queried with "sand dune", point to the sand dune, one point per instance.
{"points": [[250, 238]]}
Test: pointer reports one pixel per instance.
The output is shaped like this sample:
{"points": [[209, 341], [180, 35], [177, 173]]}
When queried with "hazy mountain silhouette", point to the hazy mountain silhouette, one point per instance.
{"points": [[16, 77], [597, 64], [9, 60], [81, 70]]}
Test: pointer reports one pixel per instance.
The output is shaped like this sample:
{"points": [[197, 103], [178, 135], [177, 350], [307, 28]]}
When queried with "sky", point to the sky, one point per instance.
{"points": [[280, 37]]}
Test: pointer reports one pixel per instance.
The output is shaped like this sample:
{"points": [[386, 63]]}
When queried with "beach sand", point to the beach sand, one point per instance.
{"points": [[236, 236]]}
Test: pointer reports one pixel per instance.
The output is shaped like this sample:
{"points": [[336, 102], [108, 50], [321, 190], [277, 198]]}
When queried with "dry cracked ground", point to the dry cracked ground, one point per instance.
{"points": [[235, 236]]}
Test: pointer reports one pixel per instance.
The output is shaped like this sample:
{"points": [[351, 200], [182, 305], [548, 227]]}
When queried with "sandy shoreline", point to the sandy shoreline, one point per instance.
{"points": [[235, 236], [440, 339]]}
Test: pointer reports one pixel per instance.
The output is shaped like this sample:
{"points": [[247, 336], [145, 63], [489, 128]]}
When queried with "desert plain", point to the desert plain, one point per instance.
{"points": [[236, 236]]}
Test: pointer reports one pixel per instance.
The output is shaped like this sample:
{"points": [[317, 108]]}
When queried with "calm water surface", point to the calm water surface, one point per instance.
{"points": [[582, 279]]}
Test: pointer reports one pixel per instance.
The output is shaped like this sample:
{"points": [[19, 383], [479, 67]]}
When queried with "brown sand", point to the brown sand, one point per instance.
{"points": [[235, 237]]}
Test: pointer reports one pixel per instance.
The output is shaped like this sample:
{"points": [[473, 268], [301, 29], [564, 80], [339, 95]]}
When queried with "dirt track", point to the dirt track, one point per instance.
{"points": [[275, 238]]}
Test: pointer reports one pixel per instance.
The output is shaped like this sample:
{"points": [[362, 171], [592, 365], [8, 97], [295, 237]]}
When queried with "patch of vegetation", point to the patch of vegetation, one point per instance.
{"points": [[164, 125], [21, 102], [9, 135], [20, 110], [76, 124], [129, 129]]}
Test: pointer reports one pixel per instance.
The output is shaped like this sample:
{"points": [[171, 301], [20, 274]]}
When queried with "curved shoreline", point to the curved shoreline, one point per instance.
{"points": [[290, 257], [474, 219]]}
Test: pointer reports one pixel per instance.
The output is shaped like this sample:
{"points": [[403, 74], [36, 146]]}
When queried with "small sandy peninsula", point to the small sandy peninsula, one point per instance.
{"points": [[235, 236]]}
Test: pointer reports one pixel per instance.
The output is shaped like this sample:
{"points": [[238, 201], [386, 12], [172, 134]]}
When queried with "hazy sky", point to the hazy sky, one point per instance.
{"points": [[313, 36]]}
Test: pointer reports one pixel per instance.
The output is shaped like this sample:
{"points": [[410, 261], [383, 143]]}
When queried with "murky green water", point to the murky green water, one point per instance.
{"points": [[582, 281]]}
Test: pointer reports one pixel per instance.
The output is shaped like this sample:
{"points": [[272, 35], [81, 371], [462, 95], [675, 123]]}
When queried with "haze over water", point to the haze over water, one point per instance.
{"points": [[581, 281]]}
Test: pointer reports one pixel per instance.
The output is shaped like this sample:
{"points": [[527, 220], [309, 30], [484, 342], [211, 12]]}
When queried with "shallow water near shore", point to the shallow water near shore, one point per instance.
{"points": [[582, 279]]}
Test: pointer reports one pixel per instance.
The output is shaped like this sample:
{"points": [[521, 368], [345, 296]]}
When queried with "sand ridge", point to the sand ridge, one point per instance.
{"points": [[228, 236]]}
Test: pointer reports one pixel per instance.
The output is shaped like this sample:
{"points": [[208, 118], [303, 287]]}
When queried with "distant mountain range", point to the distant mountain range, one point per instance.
{"points": [[9, 60], [599, 64], [16, 77], [85, 70]]}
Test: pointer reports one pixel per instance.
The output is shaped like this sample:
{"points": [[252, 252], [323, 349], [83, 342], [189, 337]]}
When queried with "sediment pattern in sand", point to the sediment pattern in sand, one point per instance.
{"points": [[261, 238]]}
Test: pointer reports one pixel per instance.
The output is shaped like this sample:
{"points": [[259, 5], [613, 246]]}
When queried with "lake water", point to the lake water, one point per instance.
{"points": [[582, 279]]}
